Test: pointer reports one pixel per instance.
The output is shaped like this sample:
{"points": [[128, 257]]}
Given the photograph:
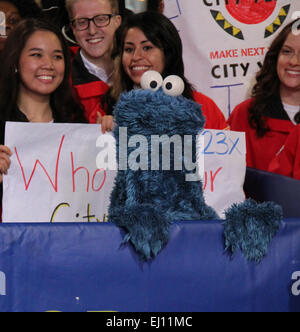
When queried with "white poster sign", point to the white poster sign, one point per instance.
{"points": [[53, 175], [225, 168]]}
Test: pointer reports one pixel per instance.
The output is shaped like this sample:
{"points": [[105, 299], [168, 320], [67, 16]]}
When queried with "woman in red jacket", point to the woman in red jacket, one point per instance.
{"points": [[150, 41], [287, 162], [273, 111]]}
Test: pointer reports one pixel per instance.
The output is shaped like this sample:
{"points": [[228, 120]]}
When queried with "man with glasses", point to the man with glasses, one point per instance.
{"points": [[94, 23]]}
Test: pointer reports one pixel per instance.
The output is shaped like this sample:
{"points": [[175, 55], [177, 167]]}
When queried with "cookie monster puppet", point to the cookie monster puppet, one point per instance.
{"points": [[148, 197]]}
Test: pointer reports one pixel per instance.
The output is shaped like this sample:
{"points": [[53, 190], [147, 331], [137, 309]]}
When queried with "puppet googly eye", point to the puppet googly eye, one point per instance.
{"points": [[151, 80], [173, 86]]}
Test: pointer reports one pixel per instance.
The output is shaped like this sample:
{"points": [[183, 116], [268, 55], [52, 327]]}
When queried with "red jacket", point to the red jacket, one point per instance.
{"points": [[287, 162], [260, 151], [214, 117], [88, 88]]}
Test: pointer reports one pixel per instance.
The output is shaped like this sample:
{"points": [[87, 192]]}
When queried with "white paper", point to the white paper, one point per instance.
{"points": [[225, 168], [53, 174]]}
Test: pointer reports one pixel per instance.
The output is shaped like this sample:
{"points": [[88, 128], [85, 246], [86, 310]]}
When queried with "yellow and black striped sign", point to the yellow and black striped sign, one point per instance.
{"points": [[272, 28], [226, 26]]}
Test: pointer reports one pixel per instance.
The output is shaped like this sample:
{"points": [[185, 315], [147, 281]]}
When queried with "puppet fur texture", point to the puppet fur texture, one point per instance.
{"points": [[145, 202], [250, 227]]}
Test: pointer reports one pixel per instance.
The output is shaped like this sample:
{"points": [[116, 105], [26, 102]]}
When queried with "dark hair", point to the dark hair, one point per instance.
{"points": [[267, 87], [26, 8], [64, 106], [155, 5], [123, 11], [55, 11], [163, 34]]}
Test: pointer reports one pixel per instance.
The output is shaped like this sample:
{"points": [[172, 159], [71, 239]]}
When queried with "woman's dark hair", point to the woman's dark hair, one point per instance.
{"points": [[267, 87], [154, 5], [26, 8], [64, 106], [123, 11], [160, 31]]}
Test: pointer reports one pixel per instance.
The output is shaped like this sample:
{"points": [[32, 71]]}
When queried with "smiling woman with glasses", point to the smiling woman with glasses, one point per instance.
{"points": [[100, 21]]}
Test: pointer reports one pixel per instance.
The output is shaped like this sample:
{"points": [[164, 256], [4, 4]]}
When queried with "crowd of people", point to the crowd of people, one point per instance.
{"points": [[46, 78]]}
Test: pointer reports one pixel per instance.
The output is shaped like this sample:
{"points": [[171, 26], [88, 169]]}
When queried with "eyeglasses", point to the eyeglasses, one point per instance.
{"points": [[290, 53], [100, 21]]}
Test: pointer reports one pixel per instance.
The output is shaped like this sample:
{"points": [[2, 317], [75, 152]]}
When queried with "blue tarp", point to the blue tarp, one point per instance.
{"points": [[84, 267]]}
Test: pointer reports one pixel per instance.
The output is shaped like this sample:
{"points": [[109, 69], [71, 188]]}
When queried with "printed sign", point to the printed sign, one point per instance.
{"points": [[225, 42]]}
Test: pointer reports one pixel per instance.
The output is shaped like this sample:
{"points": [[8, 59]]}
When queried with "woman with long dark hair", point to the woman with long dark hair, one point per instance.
{"points": [[34, 82], [14, 11], [150, 41], [273, 111]]}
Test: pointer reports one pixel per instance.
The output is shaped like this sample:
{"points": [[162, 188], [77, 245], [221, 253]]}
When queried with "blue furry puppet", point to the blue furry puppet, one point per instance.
{"points": [[152, 190]]}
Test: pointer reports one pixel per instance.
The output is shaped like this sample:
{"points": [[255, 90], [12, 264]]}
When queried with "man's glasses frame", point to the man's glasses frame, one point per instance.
{"points": [[100, 21]]}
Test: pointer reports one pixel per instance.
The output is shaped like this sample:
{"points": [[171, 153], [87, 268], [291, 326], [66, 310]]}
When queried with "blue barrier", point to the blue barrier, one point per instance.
{"points": [[84, 267], [269, 187]]}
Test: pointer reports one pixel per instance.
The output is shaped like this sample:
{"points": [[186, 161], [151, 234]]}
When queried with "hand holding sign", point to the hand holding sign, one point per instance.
{"points": [[107, 122], [5, 154]]}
